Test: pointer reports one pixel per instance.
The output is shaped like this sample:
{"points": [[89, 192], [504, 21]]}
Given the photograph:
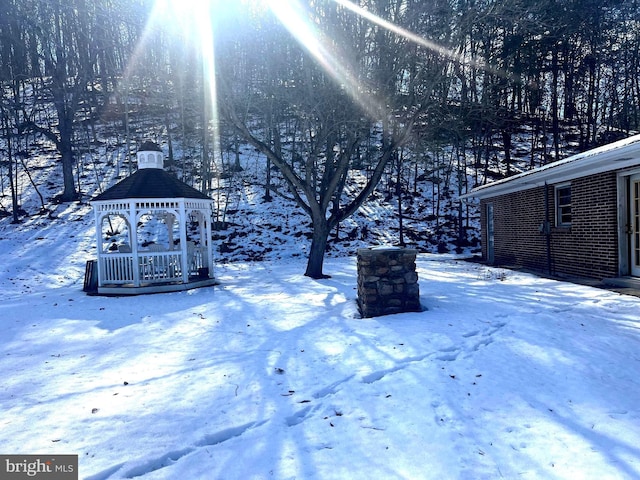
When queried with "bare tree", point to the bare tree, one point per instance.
{"points": [[313, 130], [71, 49]]}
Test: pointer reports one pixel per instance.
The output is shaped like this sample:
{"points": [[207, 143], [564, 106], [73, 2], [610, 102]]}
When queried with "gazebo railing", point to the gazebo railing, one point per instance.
{"points": [[158, 267], [153, 267], [117, 268]]}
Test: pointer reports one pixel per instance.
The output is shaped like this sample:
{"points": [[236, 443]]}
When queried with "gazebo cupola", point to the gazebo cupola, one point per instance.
{"points": [[150, 156], [153, 233]]}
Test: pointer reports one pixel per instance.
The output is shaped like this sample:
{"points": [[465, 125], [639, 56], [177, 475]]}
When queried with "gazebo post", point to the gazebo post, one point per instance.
{"points": [[204, 241], [169, 219], [183, 241], [207, 244], [98, 220], [134, 243]]}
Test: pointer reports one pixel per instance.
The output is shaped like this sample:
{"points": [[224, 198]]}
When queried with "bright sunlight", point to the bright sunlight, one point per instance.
{"points": [[194, 22]]}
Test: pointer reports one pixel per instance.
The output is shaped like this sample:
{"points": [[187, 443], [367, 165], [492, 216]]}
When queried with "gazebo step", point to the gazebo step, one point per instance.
{"points": [[122, 290]]}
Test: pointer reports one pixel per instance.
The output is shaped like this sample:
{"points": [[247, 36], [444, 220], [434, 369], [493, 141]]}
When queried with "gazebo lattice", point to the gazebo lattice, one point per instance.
{"points": [[153, 233]]}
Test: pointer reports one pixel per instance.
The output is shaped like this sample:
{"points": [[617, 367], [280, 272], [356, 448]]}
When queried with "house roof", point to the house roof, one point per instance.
{"points": [[614, 156], [150, 183]]}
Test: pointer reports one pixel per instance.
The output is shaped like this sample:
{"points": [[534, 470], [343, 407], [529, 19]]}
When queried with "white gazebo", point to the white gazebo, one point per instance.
{"points": [[153, 233]]}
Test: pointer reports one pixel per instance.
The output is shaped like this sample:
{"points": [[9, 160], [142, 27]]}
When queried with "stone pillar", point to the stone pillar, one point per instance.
{"points": [[387, 281]]}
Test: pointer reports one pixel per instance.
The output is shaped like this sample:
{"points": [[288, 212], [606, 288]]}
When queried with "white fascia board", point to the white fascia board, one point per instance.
{"points": [[615, 156]]}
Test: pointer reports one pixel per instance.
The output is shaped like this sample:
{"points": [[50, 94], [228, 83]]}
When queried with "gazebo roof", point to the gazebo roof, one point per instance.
{"points": [[149, 146], [150, 183]]}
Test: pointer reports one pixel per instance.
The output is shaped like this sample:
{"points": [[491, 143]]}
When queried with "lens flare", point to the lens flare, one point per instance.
{"points": [[195, 23], [412, 37], [294, 17]]}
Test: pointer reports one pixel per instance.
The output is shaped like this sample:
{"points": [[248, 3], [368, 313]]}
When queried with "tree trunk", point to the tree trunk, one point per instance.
{"points": [[319, 239], [69, 193], [399, 161], [506, 142], [554, 104], [14, 194]]}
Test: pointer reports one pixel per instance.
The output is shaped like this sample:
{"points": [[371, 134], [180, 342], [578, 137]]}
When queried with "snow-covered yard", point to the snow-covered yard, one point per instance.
{"points": [[274, 375]]}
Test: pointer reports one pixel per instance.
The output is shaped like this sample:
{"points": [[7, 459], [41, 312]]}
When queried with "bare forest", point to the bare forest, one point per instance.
{"points": [[324, 105]]}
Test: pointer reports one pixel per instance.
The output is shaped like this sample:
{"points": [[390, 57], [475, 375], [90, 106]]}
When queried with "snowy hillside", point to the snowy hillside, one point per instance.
{"points": [[251, 228]]}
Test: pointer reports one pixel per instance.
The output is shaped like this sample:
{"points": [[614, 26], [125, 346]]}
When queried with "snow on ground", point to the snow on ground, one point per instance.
{"points": [[274, 375]]}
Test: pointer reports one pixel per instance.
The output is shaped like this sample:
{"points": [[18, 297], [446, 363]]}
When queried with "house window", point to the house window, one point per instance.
{"points": [[563, 205]]}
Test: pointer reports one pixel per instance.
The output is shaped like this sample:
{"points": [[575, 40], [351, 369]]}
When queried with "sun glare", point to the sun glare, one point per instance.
{"points": [[293, 16], [412, 37], [195, 23], [192, 21]]}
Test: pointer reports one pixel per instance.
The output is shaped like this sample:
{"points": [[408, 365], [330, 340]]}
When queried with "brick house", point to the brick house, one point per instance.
{"points": [[575, 217]]}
